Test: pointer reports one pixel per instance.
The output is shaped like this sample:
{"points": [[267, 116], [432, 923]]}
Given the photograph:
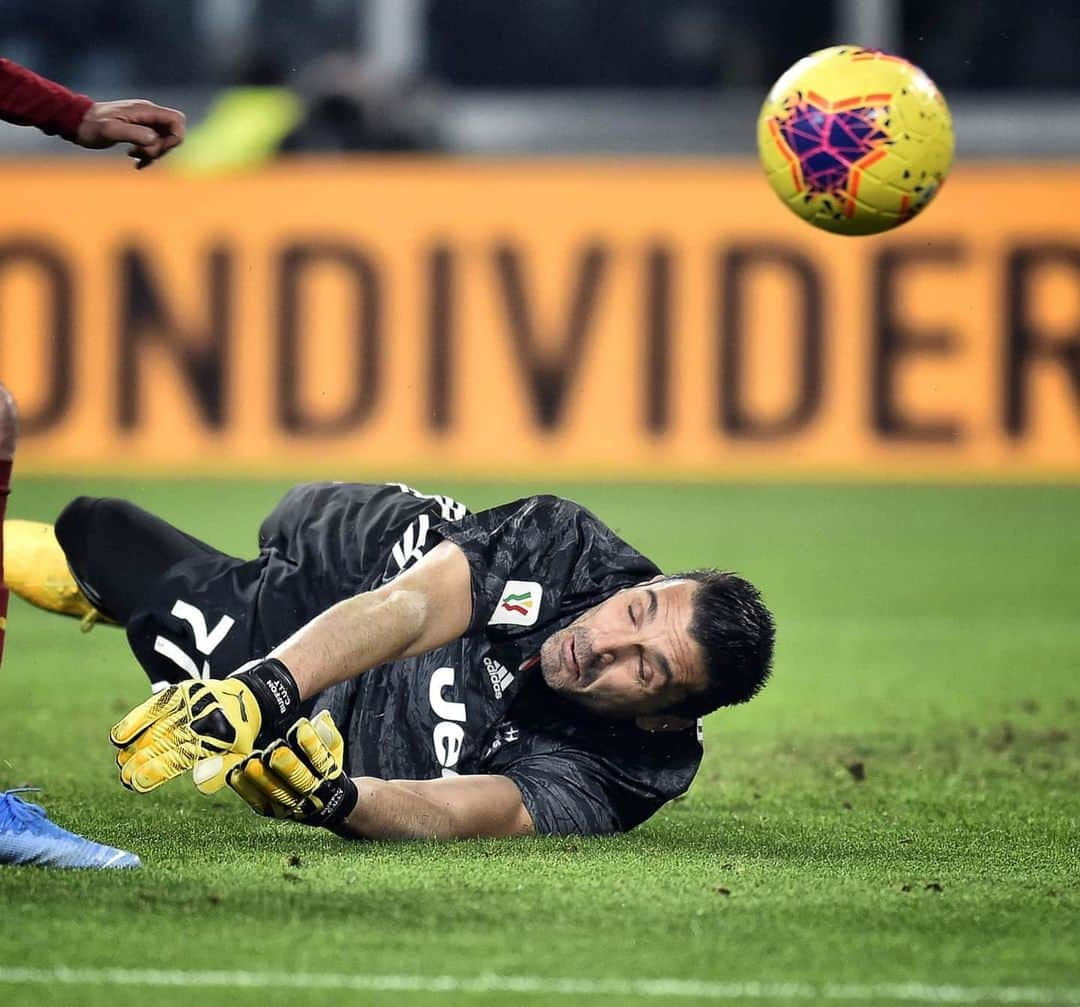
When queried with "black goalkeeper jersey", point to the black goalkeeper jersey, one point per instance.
{"points": [[478, 704]]}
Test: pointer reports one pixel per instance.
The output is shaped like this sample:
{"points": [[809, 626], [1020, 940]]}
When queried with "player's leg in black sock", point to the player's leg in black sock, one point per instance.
{"points": [[118, 552]]}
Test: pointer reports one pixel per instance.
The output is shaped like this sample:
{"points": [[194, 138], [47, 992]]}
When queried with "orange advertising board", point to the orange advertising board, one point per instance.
{"points": [[498, 318]]}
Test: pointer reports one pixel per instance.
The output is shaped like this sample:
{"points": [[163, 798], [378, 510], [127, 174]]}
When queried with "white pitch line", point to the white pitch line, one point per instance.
{"points": [[916, 993]]}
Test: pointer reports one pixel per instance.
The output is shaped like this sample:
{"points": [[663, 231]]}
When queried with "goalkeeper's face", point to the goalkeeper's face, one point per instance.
{"points": [[630, 656]]}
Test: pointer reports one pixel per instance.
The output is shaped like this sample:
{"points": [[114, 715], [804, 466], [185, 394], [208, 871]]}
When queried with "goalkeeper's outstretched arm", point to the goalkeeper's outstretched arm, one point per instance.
{"points": [[425, 607], [301, 778], [461, 807], [215, 724]]}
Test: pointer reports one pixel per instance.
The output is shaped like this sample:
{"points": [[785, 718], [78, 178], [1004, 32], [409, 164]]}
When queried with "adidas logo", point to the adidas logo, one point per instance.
{"points": [[501, 679]]}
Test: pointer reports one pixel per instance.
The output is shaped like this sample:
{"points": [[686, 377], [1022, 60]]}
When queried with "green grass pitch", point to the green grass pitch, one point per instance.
{"points": [[901, 806]]}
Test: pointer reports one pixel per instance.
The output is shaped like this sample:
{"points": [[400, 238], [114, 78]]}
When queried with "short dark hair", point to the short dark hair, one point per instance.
{"points": [[736, 632]]}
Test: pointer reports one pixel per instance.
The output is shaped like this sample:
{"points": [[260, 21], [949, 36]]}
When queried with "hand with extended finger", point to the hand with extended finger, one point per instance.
{"points": [[301, 777], [213, 723], [152, 130]]}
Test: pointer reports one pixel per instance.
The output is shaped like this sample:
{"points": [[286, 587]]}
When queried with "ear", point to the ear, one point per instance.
{"points": [[664, 722]]}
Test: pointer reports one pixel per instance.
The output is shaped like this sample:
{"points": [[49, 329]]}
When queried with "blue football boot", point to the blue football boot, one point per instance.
{"points": [[28, 837]]}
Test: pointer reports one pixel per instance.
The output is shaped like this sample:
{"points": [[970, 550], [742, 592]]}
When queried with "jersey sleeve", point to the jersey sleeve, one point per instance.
{"points": [[28, 99], [544, 551], [574, 792]]}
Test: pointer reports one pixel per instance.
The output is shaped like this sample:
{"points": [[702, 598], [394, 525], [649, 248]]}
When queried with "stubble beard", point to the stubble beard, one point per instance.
{"points": [[556, 675]]}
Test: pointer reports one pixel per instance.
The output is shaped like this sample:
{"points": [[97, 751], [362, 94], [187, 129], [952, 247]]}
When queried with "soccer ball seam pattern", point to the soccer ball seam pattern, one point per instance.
{"points": [[854, 140]]}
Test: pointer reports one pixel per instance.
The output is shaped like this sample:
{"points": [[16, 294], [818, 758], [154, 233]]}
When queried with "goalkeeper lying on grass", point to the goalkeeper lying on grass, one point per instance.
{"points": [[516, 671]]}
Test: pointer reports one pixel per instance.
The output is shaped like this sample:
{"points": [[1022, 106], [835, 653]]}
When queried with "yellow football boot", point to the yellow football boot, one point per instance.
{"points": [[36, 569]]}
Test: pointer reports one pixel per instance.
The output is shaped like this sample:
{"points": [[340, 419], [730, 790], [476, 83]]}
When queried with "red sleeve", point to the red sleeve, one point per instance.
{"points": [[28, 99]]}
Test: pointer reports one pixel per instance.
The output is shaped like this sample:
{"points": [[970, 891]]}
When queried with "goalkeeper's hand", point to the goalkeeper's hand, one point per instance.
{"points": [[300, 778], [221, 721]]}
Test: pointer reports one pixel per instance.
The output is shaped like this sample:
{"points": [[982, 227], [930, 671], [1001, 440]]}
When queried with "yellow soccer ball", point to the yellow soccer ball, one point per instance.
{"points": [[854, 140]]}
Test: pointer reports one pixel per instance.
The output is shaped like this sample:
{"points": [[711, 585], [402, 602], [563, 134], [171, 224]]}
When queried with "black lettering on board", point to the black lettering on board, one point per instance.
{"points": [[1025, 344], [56, 274], [200, 351], [549, 375], [442, 313], [736, 268], [894, 341], [658, 338], [295, 262]]}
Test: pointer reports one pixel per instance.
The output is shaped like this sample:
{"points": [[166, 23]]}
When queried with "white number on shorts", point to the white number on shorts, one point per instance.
{"points": [[206, 641]]}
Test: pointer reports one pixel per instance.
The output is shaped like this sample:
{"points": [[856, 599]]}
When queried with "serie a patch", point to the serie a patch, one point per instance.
{"points": [[519, 604]]}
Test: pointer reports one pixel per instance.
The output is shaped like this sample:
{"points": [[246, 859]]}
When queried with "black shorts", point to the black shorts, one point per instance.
{"points": [[206, 614], [199, 621]]}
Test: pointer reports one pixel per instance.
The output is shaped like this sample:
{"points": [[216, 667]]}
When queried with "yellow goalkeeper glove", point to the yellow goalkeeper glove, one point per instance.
{"points": [[220, 720], [300, 778]]}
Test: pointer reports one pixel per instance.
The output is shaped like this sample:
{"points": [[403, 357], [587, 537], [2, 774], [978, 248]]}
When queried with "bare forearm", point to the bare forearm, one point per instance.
{"points": [[460, 809], [387, 809], [424, 608], [351, 637]]}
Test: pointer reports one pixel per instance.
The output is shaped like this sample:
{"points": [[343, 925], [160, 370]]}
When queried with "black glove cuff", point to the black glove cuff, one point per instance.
{"points": [[278, 697], [340, 803]]}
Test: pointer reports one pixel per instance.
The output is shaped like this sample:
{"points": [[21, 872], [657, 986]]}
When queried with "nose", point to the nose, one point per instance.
{"points": [[603, 659], [604, 650]]}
